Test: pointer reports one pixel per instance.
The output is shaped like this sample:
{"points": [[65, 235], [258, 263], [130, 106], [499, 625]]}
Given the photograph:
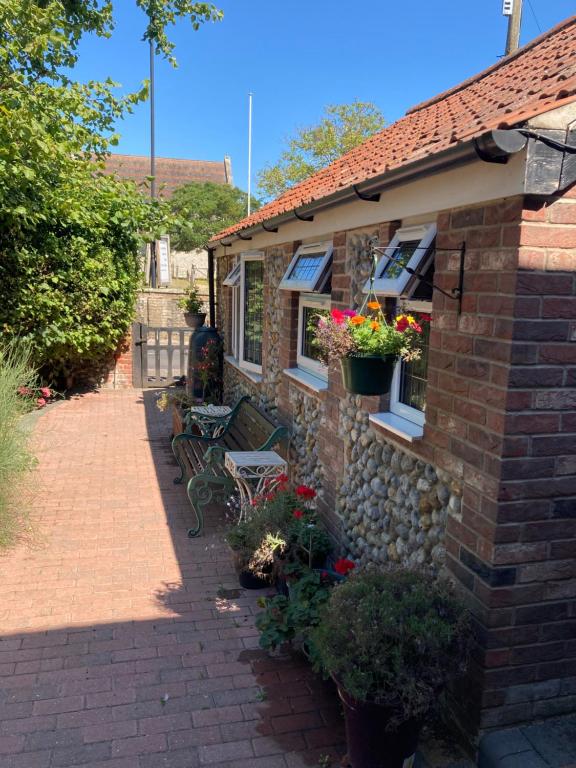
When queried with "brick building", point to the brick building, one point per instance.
{"points": [[472, 466]]}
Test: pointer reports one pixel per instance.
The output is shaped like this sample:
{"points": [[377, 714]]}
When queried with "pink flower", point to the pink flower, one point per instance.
{"points": [[40, 402], [46, 392], [337, 316], [24, 391], [349, 313]]}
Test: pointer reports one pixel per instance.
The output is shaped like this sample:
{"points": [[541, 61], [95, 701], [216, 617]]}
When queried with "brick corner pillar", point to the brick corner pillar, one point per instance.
{"points": [[120, 370], [507, 409]]}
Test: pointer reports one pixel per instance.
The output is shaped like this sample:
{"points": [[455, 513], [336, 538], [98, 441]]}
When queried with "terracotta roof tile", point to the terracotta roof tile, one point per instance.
{"points": [[535, 79], [171, 173]]}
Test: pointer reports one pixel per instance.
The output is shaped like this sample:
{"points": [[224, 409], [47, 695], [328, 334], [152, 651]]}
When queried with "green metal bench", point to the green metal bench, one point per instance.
{"points": [[247, 429]]}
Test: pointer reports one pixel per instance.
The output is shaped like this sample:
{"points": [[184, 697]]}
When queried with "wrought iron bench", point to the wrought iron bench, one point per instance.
{"points": [[244, 429]]}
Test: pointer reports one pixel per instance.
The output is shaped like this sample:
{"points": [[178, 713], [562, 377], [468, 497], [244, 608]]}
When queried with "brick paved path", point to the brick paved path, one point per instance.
{"points": [[124, 644]]}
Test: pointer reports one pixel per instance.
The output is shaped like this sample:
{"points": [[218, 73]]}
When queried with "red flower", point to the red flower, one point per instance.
{"points": [[416, 327], [324, 575], [282, 478], [269, 497], [349, 313], [343, 566], [402, 324], [426, 318], [337, 316], [305, 491], [298, 514]]}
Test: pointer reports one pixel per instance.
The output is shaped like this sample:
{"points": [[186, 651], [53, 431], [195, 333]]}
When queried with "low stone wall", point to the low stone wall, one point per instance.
{"points": [[393, 505], [159, 307]]}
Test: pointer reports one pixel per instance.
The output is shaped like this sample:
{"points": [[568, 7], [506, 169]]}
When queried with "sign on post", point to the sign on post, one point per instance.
{"points": [[507, 7], [163, 253]]}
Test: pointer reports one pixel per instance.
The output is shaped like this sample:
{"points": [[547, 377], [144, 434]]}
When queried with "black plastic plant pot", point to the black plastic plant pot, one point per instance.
{"points": [[370, 375], [249, 581], [370, 743]]}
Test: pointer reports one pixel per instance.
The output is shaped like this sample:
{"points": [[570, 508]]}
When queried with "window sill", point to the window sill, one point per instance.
{"points": [[314, 383], [254, 377], [403, 428]]}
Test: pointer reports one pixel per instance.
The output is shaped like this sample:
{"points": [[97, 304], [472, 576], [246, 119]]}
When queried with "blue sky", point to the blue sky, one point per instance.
{"points": [[297, 56]]}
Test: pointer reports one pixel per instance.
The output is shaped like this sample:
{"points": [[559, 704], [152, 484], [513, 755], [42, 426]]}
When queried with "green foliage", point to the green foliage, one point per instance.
{"points": [[203, 209], [394, 637], [16, 373], [288, 619], [70, 237], [343, 127], [192, 302]]}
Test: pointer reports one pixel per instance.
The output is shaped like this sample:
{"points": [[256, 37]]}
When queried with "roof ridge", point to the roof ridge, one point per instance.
{"points": [[492, 68], [174, 159]]}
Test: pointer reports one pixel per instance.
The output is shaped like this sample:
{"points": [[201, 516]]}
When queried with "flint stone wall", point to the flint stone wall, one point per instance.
{"points": [[307, 417], [393, 505]]}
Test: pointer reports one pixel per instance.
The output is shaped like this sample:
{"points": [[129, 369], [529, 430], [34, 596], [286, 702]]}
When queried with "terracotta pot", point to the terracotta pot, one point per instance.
{"points": [[367, 375], [370, 743], [195, 319]]}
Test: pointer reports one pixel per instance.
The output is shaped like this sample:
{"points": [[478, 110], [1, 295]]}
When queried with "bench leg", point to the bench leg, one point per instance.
{"points": [[203, 490], [176, 440]]}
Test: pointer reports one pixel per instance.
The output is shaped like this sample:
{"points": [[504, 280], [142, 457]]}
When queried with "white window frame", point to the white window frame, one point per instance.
{"points": [[314, 284], [303, 362], [396, 406], [425, 234], [244, 257]]}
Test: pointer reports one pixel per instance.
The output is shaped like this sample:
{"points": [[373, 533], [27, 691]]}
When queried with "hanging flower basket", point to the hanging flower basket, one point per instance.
{"points": [[368, 375]]}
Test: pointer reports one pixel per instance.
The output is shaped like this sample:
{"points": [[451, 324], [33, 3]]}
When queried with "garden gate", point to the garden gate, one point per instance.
{"points": [[160, 355]]}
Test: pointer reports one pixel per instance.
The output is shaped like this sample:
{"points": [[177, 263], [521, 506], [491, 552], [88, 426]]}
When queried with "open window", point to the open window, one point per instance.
{"points": [[309, 269], [232, 279], [310, 308], [409, 249]]}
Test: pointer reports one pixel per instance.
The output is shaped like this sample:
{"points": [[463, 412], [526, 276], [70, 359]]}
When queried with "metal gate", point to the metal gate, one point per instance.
{"points": [[160, 355]]}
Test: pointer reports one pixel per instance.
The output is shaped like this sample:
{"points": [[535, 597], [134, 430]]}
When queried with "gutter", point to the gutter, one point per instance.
{"points": [[495, 146]]}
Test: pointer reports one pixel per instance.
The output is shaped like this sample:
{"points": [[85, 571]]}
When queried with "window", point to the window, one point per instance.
{"points": [[309, 269], [251, 311], [232, 279], [310, 307], [408, 393], [409, 248]]}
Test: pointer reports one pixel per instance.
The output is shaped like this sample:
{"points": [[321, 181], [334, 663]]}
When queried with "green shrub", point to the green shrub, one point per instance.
{"points": [[394, 637], [15, 458]]}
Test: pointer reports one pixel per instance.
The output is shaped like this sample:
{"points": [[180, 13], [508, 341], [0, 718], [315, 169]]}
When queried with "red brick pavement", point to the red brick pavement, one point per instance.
{"points": [[125, 644]]}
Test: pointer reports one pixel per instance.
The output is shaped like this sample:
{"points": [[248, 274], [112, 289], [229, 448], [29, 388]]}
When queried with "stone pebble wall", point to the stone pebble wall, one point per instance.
{"points": [[275, 267], [307, 417], [393, 506], [236, 385], [359, 263]]}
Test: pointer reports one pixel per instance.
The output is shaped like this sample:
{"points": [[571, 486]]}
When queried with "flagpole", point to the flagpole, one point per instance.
{"points": [[249, 150], [153, 270]]}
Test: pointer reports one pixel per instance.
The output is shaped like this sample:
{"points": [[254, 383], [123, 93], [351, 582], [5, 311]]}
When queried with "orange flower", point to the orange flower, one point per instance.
{"points": [[374, 325], [357, 319], [373, 305]]}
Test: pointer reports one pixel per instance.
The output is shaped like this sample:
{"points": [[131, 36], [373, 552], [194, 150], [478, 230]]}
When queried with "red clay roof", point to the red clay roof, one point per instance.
{"points": [[535, 79], [170, 172]]}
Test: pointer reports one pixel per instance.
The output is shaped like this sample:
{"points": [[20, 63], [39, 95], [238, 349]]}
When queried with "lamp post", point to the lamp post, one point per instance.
{"points": [[153, 271]]}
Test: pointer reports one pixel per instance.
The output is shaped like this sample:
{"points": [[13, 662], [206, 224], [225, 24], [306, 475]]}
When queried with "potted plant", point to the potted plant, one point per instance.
{"points": [[391, 640], [368, 345], [193, 307]]}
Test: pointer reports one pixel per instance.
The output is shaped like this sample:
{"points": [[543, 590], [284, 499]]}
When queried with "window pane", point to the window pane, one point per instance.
{"points": [[414, 376], [306, 266], [402, 255], [253, 311], [310, 317]]}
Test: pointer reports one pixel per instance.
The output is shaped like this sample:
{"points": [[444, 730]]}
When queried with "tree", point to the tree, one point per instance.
{"points": [[342, 128], [204, 208], [70, 236]]}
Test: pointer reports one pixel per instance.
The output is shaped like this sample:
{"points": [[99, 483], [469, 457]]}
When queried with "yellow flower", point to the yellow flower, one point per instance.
{"points": [[357, 319], [374, 325], [373, 305], [411, 319]]}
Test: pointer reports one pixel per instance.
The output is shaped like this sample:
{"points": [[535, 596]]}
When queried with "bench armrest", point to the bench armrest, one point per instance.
{"points": [[214, 456]]}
